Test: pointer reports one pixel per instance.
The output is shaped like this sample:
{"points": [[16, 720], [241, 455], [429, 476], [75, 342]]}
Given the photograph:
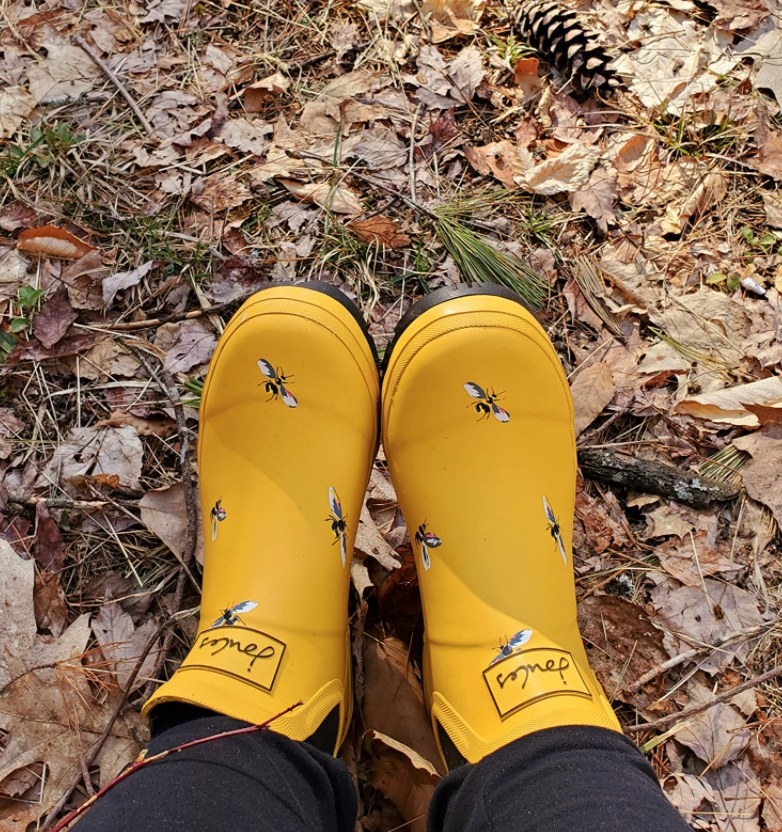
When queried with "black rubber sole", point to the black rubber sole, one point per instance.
{"points": [[443, 296], [338, 295]]}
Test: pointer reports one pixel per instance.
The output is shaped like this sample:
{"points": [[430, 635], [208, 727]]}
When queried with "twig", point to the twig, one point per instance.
{"points": [[148, 323], [697, 709], [141, 761], [62, 502], [686, 487], [79, 41], [96, 748], [690, 654], [166, 384]]}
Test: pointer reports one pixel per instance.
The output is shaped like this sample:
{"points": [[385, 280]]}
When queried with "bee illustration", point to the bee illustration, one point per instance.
{"points": [[275, 386], [512, 645], [426, 540], [487, 402], [230, 615], [339, 524], [554, 530], [218, 514]]}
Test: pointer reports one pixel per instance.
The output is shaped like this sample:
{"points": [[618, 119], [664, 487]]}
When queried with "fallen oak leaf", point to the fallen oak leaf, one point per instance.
{"points": [[337, 198], [380, 231], [767, 415], [51, 241], [403, 776], [162, 427], [54, 319]]}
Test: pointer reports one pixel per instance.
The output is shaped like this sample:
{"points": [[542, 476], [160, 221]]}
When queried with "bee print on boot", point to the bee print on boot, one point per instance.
{"points": [[275, 386], [231, 616], [218, 514], [487, 402], [426, 540], [339, 525], [554, 530], [512, 645]]}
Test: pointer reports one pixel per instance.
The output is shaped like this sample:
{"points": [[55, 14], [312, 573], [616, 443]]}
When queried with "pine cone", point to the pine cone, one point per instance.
{"points": [[562, 40]]}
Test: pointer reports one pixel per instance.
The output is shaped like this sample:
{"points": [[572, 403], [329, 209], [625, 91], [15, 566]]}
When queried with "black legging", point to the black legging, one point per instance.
{"points": [[578, 779]]}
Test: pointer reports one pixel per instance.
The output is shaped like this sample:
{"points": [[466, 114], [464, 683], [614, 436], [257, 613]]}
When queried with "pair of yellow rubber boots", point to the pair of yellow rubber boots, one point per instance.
{"points": [[477, 427]]}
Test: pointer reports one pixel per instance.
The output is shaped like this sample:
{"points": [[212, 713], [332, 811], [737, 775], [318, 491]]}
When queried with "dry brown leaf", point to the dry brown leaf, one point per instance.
{"points": [[697, 554], [738, 792], [123, 280], [592, 390], [707, 614], [525, 76], [105, 360], [769, 158], [219, 192], [740, 14], [51, 607], [11, 427], [48, 549], [380, 231], [337, 198], [708, 192], [718, 735], [55, 318], [122, 644], [249, 136], [762, 475], [568, 171], [13, 272], [83, 279], [164, 513], [257, 94], [394, 700], [727, 406], [597, 198], [452, 18], [339, 104], [504, 160], [767, 416], [466, 72], [369, 542], [187, 344], [50, 241], [163, 426], [675, 60], [670, 519], [96, 450], [66, 73], [404, 777], [16, 103], [49, 713]]}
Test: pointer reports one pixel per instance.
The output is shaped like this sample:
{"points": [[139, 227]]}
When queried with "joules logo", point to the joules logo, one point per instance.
{"points": [[249, 655], [533, 675]]}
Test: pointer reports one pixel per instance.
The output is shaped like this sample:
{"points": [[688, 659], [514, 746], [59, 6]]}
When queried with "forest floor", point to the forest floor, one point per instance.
{"points": [[161, 160]]}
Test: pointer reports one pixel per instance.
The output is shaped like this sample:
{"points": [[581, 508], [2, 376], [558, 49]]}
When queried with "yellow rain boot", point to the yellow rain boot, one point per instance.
{"points": [[288, 435], [478, 432]]}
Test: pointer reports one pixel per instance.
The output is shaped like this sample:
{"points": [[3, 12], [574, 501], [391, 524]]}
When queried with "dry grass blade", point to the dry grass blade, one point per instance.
{"points": [[691, 353], [725, 465], [480, 262], [586, 275]]}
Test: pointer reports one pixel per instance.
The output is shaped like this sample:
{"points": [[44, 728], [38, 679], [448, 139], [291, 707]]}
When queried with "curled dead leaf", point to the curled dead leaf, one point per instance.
{"points": [[729, 405], [380, 231], [403, 776], [337, 198], [50, 241]]}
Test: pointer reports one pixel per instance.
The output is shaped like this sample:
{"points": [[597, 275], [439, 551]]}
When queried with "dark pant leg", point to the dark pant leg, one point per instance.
{"points": [[577, 778], [258, 782]]}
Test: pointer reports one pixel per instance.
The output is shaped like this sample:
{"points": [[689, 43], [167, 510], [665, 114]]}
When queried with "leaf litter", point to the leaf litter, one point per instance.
{"points": [[644, 229]]}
